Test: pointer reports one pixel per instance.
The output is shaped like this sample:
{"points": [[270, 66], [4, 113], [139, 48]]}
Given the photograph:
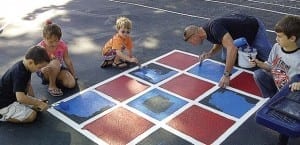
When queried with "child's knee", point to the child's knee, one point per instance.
{"points": [[70, 83], [31, 117], [67, 80]]}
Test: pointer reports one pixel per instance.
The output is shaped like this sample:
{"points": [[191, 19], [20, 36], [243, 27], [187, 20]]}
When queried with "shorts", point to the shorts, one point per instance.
{"points": [[110, 55], [16, 111]]}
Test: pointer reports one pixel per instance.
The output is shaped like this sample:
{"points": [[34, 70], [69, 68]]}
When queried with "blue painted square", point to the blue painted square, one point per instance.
{"points": [[210, 70], [157, 104], [229, 102], [84, 106], [153, 73]]}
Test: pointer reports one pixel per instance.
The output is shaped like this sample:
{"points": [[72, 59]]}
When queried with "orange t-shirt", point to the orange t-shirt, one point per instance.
{"points": [[117, 43]]}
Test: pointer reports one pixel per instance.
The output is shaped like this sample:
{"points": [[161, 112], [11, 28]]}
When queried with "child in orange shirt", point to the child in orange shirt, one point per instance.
{"points": [[118, 50]]}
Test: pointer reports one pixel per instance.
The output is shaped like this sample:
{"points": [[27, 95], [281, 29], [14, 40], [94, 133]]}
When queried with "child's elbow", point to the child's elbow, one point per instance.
{"points": [[21, 97]]}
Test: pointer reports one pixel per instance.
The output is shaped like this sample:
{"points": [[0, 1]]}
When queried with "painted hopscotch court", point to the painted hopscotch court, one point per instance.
{"points": [[169, 100]]}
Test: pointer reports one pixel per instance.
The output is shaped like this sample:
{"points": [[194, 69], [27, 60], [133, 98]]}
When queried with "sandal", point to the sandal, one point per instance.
{"points": [[106, 63], [55, 92], [119, 65]]}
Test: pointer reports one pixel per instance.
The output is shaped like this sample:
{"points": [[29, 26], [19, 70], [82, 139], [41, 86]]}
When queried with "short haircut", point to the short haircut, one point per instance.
{"points": [[123, 22], [289, 25], [189, 31], [38, 54], [51, 29]]}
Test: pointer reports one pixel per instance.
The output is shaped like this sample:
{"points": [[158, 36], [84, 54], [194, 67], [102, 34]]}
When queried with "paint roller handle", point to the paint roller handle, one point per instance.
{"points": [[252, 61]]}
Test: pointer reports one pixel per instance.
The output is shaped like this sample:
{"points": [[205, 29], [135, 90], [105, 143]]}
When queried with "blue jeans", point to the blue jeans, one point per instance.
{"points": [[265, 82], [261, 43]]}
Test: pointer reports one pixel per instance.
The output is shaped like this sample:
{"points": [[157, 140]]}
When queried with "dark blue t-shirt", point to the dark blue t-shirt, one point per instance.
{"points": [[237, 25], [14, 80]]}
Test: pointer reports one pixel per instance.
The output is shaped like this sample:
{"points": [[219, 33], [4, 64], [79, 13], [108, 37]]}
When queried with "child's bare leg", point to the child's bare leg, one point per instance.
{"points": [[50, 72], [66, 78], [30, 118], [118, 63], [117, 59]]}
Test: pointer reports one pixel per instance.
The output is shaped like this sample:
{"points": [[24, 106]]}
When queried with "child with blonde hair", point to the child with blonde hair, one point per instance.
{"points": [[118, 50]]}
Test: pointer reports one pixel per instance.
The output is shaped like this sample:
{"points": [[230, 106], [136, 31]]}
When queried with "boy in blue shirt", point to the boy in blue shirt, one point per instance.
{"points": [[17, 102]]}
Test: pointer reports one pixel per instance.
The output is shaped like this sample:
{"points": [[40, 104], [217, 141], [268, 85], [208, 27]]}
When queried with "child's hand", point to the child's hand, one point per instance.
{"points": [[42, 106], [134, 60], [295, 86], [46, 69], [252, 62]]}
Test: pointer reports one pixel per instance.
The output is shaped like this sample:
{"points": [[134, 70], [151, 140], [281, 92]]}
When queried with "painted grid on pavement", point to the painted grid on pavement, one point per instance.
{"points": [[169, 100]]}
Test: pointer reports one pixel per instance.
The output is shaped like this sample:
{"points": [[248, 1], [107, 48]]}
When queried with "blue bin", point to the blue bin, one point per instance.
{"points": [[275, 120]]}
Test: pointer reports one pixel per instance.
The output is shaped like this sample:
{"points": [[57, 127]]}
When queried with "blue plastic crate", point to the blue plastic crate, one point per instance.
{"points": [[276, 120]]}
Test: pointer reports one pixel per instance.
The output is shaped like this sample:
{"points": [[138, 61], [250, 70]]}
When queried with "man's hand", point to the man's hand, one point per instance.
{"points": [[203, 56], [224, 82]]}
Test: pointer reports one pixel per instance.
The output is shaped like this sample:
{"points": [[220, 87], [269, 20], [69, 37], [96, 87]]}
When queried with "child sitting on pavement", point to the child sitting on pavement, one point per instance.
{"points": [[283, 65], [17, 102], [56, 72], [283, 62], [118, 50]]}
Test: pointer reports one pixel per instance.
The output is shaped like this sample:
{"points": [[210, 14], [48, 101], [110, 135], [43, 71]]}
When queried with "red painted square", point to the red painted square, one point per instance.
{"points": [[201, 124], [118, 127], [187, 86], [179, 60], [245, 82], [122, 88]]}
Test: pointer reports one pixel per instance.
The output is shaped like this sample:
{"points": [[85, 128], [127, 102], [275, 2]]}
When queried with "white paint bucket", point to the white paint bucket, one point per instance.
{"points": [[243, 58]]}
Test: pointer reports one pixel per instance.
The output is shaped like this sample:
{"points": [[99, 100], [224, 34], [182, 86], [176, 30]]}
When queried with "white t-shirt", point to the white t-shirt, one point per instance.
{"points": [[284, 64]]}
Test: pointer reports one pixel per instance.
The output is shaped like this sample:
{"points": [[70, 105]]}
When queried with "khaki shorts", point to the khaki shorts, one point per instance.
{"points": [[15, 110]]}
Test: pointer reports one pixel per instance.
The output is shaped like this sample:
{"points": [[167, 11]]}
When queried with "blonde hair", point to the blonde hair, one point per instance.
{"points": [[189, 31], [123, 22]]}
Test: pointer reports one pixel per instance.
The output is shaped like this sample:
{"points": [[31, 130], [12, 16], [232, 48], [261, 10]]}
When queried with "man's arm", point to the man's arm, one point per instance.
{"points": [[213, 51], [231, 49], [216, 48]]}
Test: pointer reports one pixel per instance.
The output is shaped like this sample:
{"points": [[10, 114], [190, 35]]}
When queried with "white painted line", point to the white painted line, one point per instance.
{"points": [[274, 4], [195, 16], [277, 12], [238, 123], [163, 123], [159, 9]]}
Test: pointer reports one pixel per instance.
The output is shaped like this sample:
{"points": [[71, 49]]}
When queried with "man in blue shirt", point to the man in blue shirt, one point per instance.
{"points": [[223, 31]]}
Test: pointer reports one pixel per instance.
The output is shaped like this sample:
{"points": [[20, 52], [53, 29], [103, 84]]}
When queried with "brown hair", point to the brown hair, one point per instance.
{"points": [[189, 31], [38, 54], [51, 29], [289, 25]]}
